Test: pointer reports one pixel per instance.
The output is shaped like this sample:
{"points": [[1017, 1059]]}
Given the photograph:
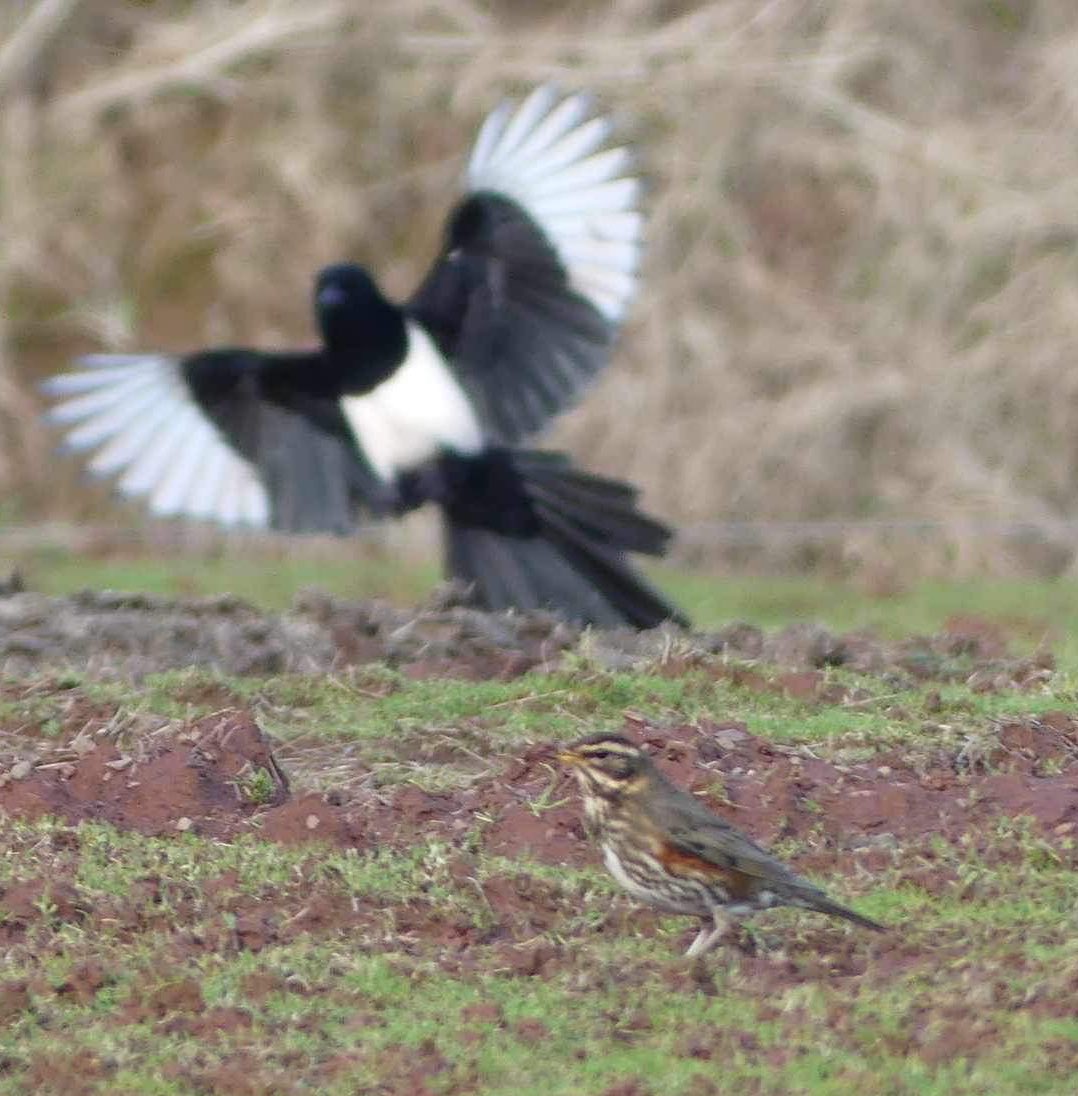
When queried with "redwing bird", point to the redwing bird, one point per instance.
{"points": [[424, 401], [668, 850]]}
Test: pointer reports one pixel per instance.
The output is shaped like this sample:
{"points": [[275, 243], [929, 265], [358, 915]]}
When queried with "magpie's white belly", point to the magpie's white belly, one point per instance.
{"points": [[419, 411]]}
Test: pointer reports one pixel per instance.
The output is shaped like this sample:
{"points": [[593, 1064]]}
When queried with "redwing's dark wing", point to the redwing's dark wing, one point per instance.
{"points": [[539, 262], [694, 830], [234, 436], [694, 833]]}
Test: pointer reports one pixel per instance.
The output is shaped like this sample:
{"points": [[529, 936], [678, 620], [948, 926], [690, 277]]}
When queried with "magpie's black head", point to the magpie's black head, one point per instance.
{"points": [[359, 325], [345, 286]]}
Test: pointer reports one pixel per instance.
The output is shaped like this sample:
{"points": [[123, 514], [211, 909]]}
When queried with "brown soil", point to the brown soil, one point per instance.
{"points": [[196, 779], [202, 779], [107, 634], [129, 635], [217, 777]]}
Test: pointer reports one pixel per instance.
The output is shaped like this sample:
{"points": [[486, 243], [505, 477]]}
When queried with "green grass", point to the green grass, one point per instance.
{"points": [[359, 979], [392, 718], [271, 580], [1034, 607], [607, 1012]]}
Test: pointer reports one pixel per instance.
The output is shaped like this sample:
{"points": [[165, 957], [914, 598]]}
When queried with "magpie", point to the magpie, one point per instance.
{"points": [[426, 401]]}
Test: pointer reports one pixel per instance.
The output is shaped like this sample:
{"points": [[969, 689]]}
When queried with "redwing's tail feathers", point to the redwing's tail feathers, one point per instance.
{"points": [[816, 900]]}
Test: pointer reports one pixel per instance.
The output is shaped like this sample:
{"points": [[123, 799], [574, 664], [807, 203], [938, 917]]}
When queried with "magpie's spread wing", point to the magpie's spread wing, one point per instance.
{"points": [[539, 261], [238, 437]]}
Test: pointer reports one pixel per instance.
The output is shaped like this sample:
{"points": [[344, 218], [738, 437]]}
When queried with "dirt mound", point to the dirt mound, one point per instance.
{"points": [[206, 778], [218, 777], [777, 792], [129, 635], [108, 634]]}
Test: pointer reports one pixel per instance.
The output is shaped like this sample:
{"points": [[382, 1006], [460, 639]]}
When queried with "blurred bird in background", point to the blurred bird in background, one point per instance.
{"points": [[430, 400]]}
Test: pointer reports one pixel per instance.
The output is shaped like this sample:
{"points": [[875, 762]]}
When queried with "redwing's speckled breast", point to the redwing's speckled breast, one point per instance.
{"points": [[656, 871]]}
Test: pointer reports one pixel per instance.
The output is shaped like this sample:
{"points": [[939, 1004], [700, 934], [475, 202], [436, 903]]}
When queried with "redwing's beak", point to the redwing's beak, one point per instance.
{"points": [[569, 757]]}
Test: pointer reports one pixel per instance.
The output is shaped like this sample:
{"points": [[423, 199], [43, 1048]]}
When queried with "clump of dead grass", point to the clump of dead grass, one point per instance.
{"points": [[861, 295]]}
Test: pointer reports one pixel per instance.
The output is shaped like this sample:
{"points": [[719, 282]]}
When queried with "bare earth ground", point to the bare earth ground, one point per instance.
{"points": [[341, 858]]}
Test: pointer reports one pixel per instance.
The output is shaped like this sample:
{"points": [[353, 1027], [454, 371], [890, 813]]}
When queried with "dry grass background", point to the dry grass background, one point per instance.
{"points": [[862, 279]]}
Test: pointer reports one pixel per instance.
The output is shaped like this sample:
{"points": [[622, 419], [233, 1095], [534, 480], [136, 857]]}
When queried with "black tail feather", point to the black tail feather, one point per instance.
{"points": [[535, 463], [605, 507], [604, 522], [554, 585], [817, 900], [634, 598], [528, 531], [510, 570]]}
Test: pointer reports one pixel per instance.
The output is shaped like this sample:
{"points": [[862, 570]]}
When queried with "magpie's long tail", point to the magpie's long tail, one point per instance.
{"points": [[529, 531]]}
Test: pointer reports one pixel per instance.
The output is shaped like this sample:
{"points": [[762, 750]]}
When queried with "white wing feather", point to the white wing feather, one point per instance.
{"points": [[137, 415], [547, 156]]}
